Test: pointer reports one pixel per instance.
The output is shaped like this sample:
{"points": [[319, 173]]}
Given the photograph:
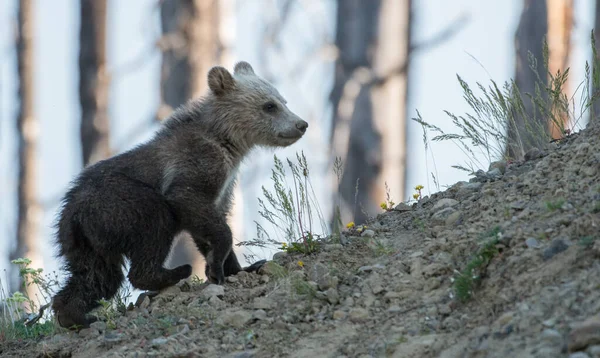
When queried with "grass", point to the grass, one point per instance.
{"points": [[471, 275], [553, 205], [22, 316], [484, 134], [291, 209]]}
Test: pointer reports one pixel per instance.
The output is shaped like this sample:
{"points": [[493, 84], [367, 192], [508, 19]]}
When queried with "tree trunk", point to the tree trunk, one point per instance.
{"points": [[532, 29], [596, 70], [190, 47], [369, 100], [560, 24], [93, 82], [29, 211]]}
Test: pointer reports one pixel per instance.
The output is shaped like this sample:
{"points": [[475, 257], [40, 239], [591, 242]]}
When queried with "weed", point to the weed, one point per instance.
{"points": [[587, 241], [290, 209], [23, 316], [553, 205], [388, 204], [492, 233], [596, 208], [501, 127], [471, 274], [420, 224]]}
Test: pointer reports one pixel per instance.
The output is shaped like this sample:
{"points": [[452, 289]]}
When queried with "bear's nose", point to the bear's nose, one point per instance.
{"points": [[302, 125]]}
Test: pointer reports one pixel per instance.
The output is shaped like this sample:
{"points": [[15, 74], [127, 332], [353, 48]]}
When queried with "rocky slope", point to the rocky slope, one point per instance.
{"points": [[390, 289]]}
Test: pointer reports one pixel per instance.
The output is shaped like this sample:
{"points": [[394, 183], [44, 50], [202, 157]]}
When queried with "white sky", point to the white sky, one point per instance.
{"points": [[133, 24]]}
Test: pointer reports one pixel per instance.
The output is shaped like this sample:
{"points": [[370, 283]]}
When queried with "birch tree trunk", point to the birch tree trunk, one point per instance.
{"points": [[29, 210], [369, 99], [93, 82]]}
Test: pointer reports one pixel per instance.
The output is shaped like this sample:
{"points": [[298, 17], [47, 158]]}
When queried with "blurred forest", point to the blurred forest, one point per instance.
{"points": [[356, 70]]}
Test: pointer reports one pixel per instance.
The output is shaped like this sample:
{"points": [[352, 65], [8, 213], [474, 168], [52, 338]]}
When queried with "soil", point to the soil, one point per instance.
{"points": [[389, 290]]}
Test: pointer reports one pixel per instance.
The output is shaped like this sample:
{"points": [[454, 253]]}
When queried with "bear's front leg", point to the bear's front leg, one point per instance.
{"points": [[214, 240]]}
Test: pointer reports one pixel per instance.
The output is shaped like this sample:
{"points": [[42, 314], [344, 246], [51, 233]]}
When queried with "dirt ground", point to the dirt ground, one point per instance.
{"points": [[389, 291]]}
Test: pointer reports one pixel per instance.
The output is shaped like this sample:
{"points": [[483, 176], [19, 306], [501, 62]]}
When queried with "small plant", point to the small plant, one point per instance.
{"points": [[504, 123], [554, 205], [418, 195], [23, 316], [464, 283], [587, 241], [292, 210], [596, 208], [388, 204]]}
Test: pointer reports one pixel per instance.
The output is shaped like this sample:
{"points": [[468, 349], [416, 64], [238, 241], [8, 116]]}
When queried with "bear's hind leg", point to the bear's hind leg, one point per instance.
{"points": [[147, 271], [92, 278]]}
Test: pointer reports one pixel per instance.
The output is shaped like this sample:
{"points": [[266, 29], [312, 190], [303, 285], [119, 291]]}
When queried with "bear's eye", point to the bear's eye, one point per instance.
{"points": [[270, 107]]}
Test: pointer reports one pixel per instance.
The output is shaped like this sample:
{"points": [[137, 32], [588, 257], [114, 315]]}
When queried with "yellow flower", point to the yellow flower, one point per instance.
{"points": [[350, 225], [283, 244], [383, 206], [416, 196], [419, 187], [300, 263]]}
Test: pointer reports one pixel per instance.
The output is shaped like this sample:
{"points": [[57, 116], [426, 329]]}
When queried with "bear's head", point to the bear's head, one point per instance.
{"points": [[251, 110]]}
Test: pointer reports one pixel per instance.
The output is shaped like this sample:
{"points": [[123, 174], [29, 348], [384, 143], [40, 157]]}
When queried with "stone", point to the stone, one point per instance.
{"points": [[232, 279], [439, 217], [99, 325], [533, 153], [500, 165], [279, 256], [358, 315], [444, 203], [264, 303], [259, 315], [403, 207], [584, 334], [88, 332], [339, 314], [368, 233], [454, 218], [532, 243], [236, 319], [333, 296], [552, 336], [594, 351], [370, 268], [556, 246], [212, 290]]}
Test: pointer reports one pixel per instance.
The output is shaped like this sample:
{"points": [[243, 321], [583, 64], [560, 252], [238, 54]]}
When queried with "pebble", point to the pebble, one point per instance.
{"points": [[556, 246], [99, 325], [370, 268], [264, 303], [333, 296], [212, 290], [259, 315], [88, 332], [236, 319], [579, 355], [339, 314], [532, 243], [444, 203], [403, 207], [368, 233], [552, 336], [358, 314], [584, 334]]}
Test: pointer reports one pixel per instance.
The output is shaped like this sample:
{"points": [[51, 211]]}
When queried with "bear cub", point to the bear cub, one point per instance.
{"points": [[134, 204]]}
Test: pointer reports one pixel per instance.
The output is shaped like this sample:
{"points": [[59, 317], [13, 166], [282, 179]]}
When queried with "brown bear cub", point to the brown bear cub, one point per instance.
{"points": [[133, 204]]}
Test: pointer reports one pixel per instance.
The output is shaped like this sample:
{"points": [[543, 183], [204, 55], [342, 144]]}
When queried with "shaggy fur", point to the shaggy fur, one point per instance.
{"points": [[133, 204]]}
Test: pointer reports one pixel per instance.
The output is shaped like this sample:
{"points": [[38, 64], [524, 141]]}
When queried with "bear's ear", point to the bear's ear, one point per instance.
{"points": [[243, 68], [220, 81]]}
